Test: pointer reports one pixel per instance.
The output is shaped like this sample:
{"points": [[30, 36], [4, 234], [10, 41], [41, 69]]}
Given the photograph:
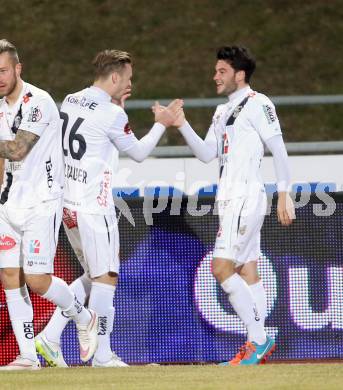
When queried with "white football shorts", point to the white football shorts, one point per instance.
{"points": [[95, 241], [239, 235], [28, 237]]}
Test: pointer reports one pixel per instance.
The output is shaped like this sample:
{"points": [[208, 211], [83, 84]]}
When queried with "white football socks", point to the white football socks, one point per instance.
{"points": [[242, 301], [62, 296], [101, 301], [260, 298], [21, 316], [81, 288]]}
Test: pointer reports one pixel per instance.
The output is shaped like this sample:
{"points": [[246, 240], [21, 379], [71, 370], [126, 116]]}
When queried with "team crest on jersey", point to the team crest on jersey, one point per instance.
{"points": [[127, 128], [16, 122], [236, 111], [35, 115], [34, 246]]}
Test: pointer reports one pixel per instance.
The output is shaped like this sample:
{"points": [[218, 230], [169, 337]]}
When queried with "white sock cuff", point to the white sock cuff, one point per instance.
{"points": [[51, 292], [257, 286], [232, 283], [16, 293], [104, 286]]}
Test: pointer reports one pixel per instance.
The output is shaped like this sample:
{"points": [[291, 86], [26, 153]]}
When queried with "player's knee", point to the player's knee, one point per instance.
{"points": [[110, 278], [39, 284], [250, 278], [221, 270], [12, 278]]}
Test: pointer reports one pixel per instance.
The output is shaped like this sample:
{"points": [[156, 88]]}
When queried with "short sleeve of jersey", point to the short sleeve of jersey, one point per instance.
{"points": [[264, 119], [37, 114], [121, 134]]}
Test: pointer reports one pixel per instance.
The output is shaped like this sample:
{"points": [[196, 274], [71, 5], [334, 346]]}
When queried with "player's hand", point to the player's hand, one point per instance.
{"points": [[122, 100], [167, 116], [176, 106], [285, 209]]}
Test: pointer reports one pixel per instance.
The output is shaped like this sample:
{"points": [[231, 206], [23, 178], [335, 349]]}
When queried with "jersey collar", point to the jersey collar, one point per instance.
{"points": [[100, 93], [240, 94]]}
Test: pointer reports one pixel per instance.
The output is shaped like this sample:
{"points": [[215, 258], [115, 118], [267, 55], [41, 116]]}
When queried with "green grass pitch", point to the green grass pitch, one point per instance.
{"points": [[272, 376]]}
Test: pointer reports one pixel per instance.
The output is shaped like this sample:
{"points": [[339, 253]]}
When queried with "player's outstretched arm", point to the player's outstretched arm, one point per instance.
{"points": [[285, 206], [139, 150], [20, 147], [204, 150]]}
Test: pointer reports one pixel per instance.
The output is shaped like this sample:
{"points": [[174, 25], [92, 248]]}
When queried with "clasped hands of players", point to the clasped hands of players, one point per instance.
{"points": [[172, 115]]}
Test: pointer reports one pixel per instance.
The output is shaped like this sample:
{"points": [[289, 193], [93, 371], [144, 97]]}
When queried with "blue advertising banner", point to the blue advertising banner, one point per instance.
{"points": [[169, 308]]}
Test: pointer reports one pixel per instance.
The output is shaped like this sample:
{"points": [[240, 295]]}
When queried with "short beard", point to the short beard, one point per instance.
{"points": [[233, 88], [11, 87]]}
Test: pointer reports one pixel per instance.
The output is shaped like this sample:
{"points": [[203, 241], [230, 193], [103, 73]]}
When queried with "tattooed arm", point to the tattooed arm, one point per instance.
{"points": [[20, 147]]}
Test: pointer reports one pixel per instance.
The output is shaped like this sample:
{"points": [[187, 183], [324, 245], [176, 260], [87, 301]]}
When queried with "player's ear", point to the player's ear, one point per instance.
{"points": [[240, 75], [18, 68], [114, 77]]}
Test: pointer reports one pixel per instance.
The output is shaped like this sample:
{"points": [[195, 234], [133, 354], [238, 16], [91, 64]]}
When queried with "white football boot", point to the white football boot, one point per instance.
{"points": [[88, 337], [21, 363], [115, 361], [50, 351]]}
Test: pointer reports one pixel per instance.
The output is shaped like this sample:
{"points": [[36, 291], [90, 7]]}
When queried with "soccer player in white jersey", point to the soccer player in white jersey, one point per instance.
{"points": [[31, 210], [95, 130], [239, 129]]}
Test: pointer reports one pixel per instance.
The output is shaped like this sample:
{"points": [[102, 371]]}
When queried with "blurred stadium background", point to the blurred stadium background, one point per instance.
{"points": [[298, 46]]}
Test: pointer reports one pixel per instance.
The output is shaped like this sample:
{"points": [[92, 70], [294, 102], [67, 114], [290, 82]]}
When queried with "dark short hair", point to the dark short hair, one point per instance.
{"points": [[8, 47], [239, 58], [109, 61]]}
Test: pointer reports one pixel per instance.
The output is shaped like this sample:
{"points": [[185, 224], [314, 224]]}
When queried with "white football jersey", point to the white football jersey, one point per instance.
{"points": [[39, 176], [93, 131], [240, 146]]}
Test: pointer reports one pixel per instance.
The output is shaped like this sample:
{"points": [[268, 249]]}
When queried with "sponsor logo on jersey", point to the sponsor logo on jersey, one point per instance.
{"points": [[28, 330], [34, 246], [35, 115], [127, 128], [26, 98], [105, 188], [70, 218], [270, 114], [48, 168], [6, 242]]}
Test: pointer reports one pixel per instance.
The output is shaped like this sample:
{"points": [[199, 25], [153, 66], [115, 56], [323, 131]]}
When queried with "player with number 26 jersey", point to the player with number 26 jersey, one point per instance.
{"points": [[91, 124]]}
